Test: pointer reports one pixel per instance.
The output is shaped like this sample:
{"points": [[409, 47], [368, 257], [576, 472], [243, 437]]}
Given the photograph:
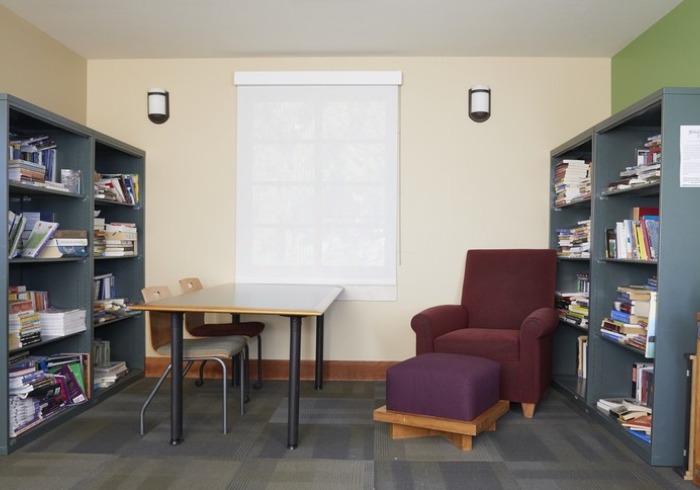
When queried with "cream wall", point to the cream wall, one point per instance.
{"points": [[39, 70], [462, 185]]}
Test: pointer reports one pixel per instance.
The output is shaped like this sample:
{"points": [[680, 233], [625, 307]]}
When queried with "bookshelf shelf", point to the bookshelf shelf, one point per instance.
{"points": [[613, 147], [69, 280]]}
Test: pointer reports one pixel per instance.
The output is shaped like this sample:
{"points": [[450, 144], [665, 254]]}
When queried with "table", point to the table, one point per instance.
{"points": [[290, 300]]}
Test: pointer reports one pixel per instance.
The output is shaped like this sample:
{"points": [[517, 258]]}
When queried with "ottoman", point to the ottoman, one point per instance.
{"points": [[452, 395]]}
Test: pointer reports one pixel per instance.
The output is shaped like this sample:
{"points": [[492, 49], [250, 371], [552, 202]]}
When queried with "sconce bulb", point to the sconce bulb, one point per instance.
{"points": [[158, 105], [479, 103]]}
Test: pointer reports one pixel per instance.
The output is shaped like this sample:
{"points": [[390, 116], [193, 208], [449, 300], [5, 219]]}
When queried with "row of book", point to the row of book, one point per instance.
{"points": [[31, 319], [41, 386], [634, 416], [121, 188], [31, 237], [632, 319], [635, 238], [573, 306], [647, 168], [572, 181], [576, 241], [33, 160]]}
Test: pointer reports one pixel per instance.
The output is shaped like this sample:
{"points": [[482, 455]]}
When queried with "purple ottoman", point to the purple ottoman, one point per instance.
{"points": [[452, 395]]}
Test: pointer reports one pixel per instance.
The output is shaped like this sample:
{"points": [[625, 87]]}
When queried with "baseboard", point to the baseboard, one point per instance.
{"points": [[279, 369]]}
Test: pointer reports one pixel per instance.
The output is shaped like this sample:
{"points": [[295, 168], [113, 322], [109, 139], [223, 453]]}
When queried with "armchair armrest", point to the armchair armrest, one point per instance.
{"points": [[540, 323], [438, 320]]}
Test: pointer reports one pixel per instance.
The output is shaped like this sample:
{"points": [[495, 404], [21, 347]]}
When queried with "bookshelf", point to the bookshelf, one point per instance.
{"points": [[613, 144], [69, 280], [567, 215]]}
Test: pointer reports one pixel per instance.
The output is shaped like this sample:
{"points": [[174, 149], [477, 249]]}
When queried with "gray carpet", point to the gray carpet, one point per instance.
{"points": [[340, 447]]}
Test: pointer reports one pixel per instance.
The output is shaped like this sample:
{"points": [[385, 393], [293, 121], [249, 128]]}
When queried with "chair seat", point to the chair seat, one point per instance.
{"points": [[208, 347], [498, 344], [247, 329]]}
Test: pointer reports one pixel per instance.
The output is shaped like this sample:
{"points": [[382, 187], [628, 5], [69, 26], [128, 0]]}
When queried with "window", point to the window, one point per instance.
{"points": [[316, 180]]}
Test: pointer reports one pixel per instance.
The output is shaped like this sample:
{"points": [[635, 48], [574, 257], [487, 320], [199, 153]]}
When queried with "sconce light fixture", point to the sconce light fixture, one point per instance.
{"points": [[158, 105], [479, 103]]}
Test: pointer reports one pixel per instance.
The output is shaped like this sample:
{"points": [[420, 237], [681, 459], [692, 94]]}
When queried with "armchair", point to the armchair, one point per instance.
{"points": [[506, 314]]}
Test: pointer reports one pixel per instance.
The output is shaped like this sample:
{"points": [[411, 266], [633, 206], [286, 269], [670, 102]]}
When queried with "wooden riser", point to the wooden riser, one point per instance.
{"points": [[458, 432]]}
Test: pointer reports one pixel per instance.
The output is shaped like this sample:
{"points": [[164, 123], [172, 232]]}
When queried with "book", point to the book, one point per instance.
{"points": [[40, 234], [606, 404], [15, 233], [642, 382], [651, 327], [50, 251], [632, 293], [66, 233], [639, 211], [642, 423], [622, 327]]}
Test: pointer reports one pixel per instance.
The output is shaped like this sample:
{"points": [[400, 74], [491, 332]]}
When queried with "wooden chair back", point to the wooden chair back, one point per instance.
{"points": [[159, 321], [190, 284], [192, 319]]}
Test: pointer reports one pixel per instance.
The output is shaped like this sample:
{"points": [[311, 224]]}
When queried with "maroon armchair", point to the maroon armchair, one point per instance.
{"points": [[507, 314]]}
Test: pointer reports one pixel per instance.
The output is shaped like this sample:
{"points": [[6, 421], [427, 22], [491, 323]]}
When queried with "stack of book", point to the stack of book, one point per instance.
{"points": [[24, 326], [59, 322], [572, 181], [632, 319], [647, 170], [104, 310], [632, 415], [106, 375], [116, 240], [576, 241], [25, 172], [43, 386], [573, 306], [66, 243]]}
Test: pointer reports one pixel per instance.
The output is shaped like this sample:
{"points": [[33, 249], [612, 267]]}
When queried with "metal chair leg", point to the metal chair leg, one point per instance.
{"points": [[258, 384], [242, 379], [200, 381], [224, 387], [155, 390]]}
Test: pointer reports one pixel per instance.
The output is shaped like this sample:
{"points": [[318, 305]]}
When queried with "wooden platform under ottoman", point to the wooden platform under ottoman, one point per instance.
{"points": [[452, 395]]}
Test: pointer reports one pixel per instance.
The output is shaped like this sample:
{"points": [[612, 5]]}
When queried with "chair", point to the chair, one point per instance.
{"points": [[210, 349], [197, 327], [506, 314]]}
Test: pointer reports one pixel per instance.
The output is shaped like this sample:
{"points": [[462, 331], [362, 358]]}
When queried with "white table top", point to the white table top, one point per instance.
{"points": [[265, 299]]}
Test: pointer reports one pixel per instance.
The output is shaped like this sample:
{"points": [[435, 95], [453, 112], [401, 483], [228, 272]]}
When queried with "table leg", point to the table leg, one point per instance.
{"points": [[294, 376], [176, 379], [319, 353]]}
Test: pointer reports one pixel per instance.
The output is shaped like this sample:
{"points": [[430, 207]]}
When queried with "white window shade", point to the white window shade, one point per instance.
{"points": [[316, 181]]}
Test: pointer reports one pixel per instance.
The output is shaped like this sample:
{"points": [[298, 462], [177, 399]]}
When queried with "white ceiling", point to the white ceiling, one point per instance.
{"points": [[114, 29]]}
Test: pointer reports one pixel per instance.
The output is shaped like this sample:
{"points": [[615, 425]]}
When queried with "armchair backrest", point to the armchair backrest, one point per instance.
{"points": [[502, 287]]}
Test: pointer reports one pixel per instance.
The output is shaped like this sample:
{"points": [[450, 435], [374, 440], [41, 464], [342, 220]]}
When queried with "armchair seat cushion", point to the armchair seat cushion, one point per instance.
{"points": [[498, 344]]}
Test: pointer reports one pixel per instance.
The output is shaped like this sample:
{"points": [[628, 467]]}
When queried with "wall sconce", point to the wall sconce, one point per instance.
{"points": [[479, 103], [158, 105]]}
